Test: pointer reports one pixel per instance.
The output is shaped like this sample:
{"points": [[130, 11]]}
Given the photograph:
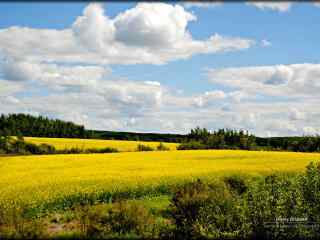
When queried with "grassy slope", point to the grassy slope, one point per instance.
{"points": [[67, 143], [39, 179]]}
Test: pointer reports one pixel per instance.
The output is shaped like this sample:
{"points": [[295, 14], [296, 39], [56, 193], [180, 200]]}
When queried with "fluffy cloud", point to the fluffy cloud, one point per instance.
{"points": [[153, 33], [214, 98], [98, 100], [154, 83], [52, 75], [153, 25], [67, 76], [75, 90], [311, 131], [10, 87], [94, 30], [202, 4], [317, 4], [275, 6], [277, 80], [209, 97], [143, 107], [283, 98], [132, 98], [295, 114]]}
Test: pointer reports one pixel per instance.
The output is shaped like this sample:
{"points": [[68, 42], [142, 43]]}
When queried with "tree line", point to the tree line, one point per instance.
{"points": [[31, 126], [198, 138], [39, 126], [201, 138]]}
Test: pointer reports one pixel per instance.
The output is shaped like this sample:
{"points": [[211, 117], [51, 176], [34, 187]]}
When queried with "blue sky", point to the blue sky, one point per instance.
{"points": [[142, 71]]}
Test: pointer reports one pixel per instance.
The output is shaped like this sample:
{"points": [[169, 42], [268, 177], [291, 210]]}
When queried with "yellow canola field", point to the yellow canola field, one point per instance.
{"points": [[38, 179], [67, 143]]}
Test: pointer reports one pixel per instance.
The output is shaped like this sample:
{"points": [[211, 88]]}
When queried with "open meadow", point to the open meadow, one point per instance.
{"points": [[57, 179]]}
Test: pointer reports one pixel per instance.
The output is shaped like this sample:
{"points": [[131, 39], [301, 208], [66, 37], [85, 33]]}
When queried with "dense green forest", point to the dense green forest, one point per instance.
{"points": [[155, 137], [31, 126], [201, 138], [198, 138]]}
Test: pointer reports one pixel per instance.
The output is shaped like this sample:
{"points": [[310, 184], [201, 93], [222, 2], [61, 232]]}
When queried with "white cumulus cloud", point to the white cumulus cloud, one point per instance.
{"points": [[202, 4], [273, 80], [154, 33], [275, 6]]}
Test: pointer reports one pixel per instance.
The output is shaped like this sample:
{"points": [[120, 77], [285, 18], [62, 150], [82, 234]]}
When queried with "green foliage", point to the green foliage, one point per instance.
{"points": [[310, 188], [211, 211], [142, 148], [273, 207], [14, 224], [236, 183], [28, 125], [222, 139], [102, 150], [162, 147], [270, 203], [201, 138], [198, 134], [192, 145], [39, 126], [10, 145], [134, 136], [120, 219]]}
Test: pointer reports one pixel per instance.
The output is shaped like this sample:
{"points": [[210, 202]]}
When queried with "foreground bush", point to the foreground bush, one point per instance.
{"points": [[273, 207], [15, 225], [236, 184], [310, 189], [286, 207], [270, 203], [212, 211], [121, 219]]}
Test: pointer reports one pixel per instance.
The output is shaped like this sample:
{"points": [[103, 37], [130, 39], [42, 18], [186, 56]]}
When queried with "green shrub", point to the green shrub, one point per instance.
{"points": [[310, 190], [192, 145], [162, 147], [120, 219], [210, 211], [310, 187], [14, 225], [142, 148], [236, 183], [128, 218], [271, 203], [101, 150], [47, 149], [74, 150], [19, 146]]}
